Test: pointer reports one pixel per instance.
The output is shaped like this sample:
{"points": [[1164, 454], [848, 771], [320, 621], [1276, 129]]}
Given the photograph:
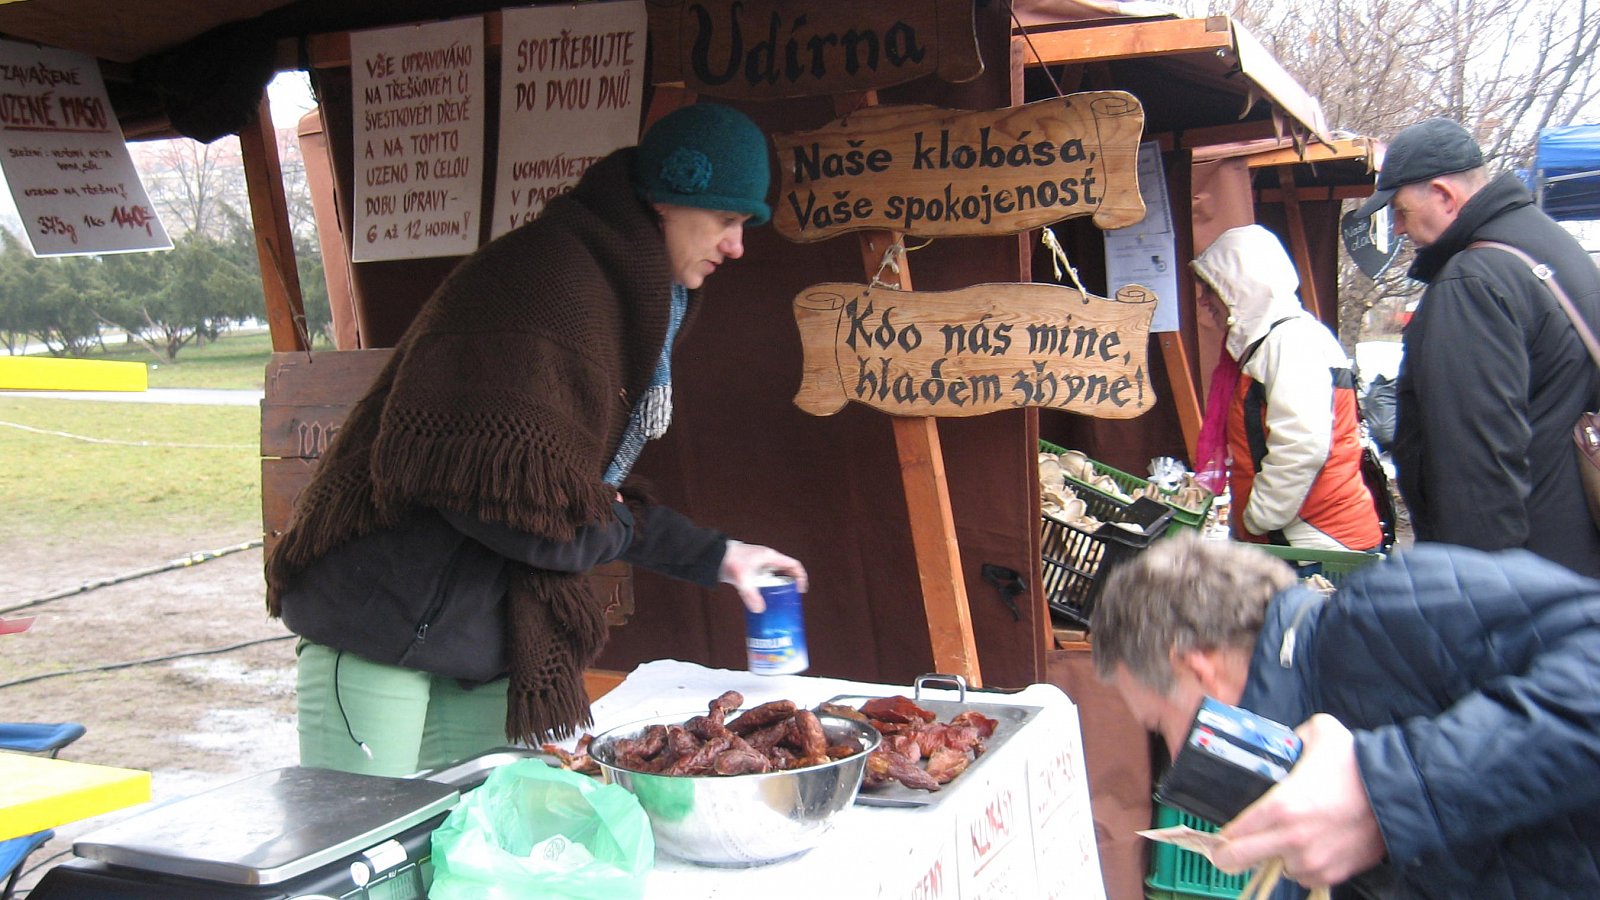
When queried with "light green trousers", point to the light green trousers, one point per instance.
{"points": [[408, 720]]}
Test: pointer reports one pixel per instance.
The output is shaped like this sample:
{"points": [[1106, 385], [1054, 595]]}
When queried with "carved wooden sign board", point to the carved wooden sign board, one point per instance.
{"points": [[933, 172], [770, 49], [977, 350]]}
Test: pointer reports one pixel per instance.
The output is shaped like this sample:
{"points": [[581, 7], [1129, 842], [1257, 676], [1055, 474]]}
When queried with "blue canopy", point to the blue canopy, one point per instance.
{"points": [[1567, 160]]}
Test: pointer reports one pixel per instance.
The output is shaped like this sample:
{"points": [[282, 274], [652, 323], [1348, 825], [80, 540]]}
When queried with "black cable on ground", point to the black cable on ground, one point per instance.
{"points": [[143, 662], [47, 861], [181, 562]]}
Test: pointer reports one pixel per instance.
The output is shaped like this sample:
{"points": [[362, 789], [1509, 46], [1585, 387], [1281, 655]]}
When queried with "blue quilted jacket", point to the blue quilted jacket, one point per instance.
{"points": [[1472, 683]]}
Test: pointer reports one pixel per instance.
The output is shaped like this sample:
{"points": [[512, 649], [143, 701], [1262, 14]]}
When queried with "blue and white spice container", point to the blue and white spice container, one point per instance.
{"points": [[776, 639]]}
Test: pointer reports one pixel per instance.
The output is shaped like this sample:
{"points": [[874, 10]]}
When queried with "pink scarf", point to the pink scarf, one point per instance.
{"points": [[1211, 449]]}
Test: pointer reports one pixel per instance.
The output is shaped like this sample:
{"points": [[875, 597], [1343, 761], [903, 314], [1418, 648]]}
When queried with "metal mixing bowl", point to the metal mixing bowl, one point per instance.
{"points": [[742, 820]]}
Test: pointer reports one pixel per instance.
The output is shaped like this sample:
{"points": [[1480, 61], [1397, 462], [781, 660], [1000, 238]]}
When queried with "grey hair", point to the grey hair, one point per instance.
{"points": [[1182, 594]]}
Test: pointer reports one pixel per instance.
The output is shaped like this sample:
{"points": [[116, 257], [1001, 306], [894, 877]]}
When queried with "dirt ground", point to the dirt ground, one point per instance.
{"points": [[193, 722]]}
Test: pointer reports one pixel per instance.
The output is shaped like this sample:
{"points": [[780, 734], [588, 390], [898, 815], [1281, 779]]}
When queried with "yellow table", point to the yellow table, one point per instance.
{"points": [[38, 792]]}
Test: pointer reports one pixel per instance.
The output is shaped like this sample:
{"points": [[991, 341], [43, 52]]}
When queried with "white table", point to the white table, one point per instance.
{"points": [[1017, 826]]}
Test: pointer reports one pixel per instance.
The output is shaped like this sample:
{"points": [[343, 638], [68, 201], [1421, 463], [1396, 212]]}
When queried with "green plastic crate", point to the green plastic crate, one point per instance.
{"points": [[1334, 564], [1175, 872], [1100, 503]]}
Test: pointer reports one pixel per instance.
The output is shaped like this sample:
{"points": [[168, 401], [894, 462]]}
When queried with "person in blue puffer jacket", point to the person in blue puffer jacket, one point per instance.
{"points": [[1449, 700]]}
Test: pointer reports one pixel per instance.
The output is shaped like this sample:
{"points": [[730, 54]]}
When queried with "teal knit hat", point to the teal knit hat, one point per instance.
{"points": [[708, 156]]}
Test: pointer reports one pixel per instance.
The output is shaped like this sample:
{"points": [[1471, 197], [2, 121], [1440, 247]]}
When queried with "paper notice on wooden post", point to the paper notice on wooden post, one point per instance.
{"points": [[571, 83], [65, 158], [977, 350], [932, 172], [418, 93], [1146, 252]]}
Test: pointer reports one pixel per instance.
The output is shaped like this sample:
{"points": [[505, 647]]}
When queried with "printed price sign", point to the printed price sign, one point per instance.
{"points": [[65, 158]]}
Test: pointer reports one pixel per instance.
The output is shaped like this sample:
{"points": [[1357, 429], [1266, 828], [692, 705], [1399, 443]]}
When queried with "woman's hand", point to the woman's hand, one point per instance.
{"points": [[742, 563]]}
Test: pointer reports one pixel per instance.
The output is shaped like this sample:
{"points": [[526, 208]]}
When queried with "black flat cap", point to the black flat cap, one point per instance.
{"points": [[1428, 149]]}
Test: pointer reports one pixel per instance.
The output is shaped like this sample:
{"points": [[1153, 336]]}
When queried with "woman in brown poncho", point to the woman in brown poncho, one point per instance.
{"points": [[435, 566]]}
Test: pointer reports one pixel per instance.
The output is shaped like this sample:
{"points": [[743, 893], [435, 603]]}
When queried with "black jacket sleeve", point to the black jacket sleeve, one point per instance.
{"points": [[593, 544], [665, 541]]}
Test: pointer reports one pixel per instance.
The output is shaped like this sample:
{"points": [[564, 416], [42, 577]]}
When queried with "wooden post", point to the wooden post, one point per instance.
{"points": [[933, 531], [1184, 395], [269, 212], [1299, 247]]}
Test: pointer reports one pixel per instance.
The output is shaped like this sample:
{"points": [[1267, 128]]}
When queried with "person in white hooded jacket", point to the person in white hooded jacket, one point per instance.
{"points": [[1295, 467]]}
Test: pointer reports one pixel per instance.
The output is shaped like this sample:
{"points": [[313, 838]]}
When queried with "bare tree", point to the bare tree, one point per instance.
{"points": [[190, 183], [1504, 68]]}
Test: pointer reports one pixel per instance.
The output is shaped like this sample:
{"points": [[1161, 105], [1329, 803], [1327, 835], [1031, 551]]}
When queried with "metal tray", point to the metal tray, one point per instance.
{"points": [[470, 773], [1010, 720]]}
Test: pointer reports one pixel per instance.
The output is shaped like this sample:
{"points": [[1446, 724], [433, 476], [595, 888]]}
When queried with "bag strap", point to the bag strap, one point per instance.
{"points": [[1546, 275]]}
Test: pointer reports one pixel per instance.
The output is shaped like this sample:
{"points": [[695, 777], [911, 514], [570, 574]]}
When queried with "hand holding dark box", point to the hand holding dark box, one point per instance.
{"points": [[1230, 758]]}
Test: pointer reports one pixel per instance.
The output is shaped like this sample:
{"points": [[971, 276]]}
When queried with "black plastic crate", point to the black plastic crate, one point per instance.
{"points": [[1076, 562]]}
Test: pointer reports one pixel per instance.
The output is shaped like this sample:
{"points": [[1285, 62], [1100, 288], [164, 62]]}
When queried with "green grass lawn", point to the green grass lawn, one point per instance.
{"points": [[177, 466], [236, 361], [54, 485]]}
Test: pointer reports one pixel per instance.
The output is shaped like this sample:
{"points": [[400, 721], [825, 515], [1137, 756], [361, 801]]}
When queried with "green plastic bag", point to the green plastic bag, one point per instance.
{"points": [[534, 830]]}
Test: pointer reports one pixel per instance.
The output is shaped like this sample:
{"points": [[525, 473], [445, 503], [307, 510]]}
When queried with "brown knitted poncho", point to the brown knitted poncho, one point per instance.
{"points": [[505, 399]]}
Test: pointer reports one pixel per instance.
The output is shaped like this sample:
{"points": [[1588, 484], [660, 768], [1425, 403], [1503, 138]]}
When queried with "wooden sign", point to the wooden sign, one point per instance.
{"points": [[770, 49], [977, 350], [934, 172]]}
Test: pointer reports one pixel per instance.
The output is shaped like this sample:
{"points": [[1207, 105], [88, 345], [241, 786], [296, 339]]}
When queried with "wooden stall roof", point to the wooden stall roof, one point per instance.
{"points": [[1228, 76], [1342, 169]]}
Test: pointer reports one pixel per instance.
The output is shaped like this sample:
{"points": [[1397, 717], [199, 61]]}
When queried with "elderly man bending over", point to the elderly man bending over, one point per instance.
{"points": [[1449, 700]]}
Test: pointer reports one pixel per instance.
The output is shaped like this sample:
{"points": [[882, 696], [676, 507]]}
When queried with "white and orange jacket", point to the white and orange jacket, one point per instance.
{"points": [[1295, 468]]}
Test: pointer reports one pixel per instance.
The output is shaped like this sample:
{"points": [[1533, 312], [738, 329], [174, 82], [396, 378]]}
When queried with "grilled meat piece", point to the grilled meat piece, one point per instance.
{"points": [[884, 766], [946, 763], [578, 760], [842, 711], [805, 732], [699, 762], [978, 720], [898, 710], [762, 716], [740, 761]]}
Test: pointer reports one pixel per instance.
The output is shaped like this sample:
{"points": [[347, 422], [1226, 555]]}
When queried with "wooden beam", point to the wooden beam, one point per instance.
{"points": [[928, 512], [1105, 43], [933, 538], [1237, 132], [1185, 396], [269, 212], [1315, 194], [1299, 247], [332, 50], [1342, 149]]}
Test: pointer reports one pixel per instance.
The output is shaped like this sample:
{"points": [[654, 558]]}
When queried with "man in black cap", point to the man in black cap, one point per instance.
{"points": [[1494, 375]]}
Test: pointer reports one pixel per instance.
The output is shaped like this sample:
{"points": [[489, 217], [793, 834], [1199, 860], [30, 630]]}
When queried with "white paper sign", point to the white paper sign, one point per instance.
{"points": [[571, 84], [418, 140], [1147, 253], [66, 160]]}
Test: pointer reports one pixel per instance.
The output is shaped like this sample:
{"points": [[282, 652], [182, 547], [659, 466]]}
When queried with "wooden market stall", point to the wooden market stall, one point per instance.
{"points": [[903, 521]]}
